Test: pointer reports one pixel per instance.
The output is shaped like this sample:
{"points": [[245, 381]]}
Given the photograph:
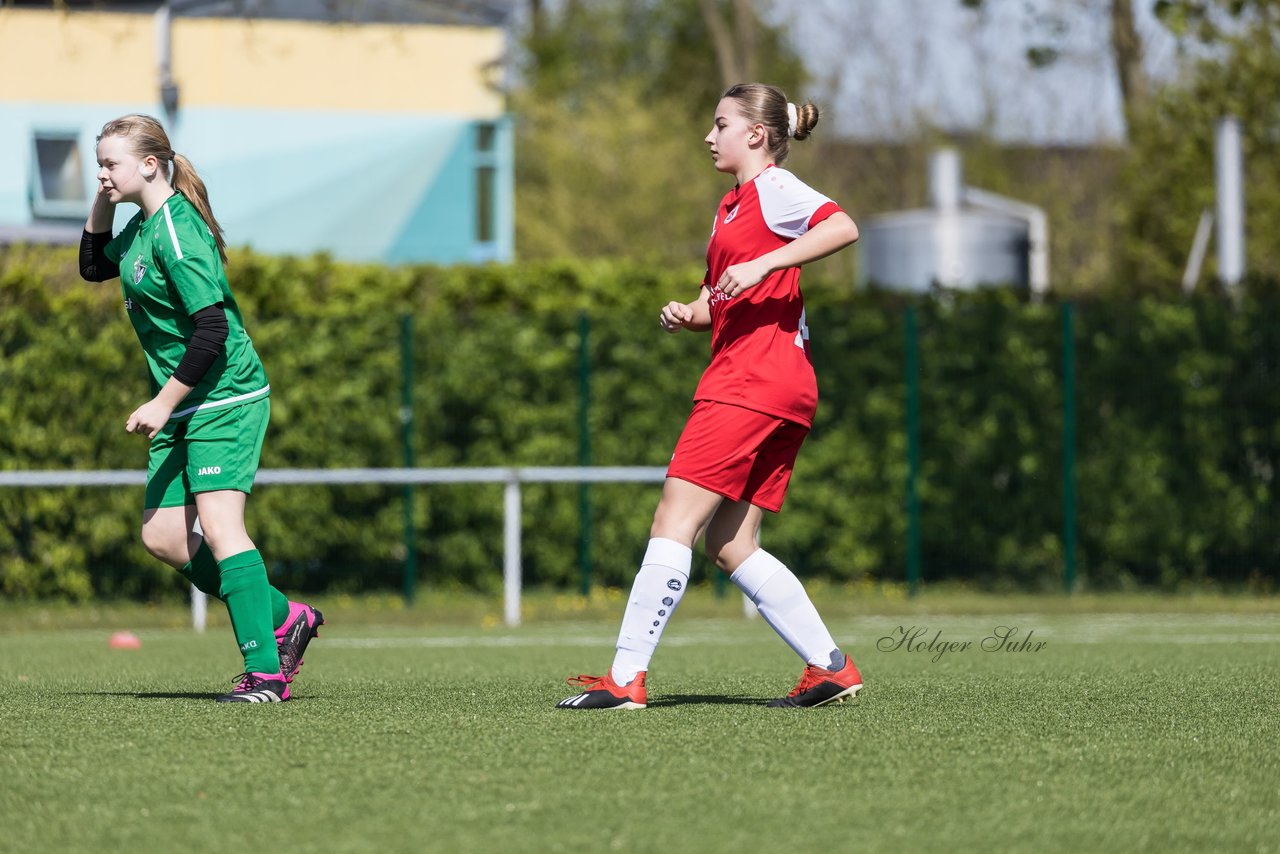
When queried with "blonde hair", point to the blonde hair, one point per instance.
{"points": [[767, 105], [148, 139]]}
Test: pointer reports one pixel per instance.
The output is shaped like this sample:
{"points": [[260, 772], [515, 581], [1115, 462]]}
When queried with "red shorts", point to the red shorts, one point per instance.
{"points": [[739, 453]]}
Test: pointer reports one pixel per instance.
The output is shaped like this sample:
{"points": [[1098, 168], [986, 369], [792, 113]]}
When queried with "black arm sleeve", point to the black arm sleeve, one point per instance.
{"points": [[95, 266], [205, 346]]}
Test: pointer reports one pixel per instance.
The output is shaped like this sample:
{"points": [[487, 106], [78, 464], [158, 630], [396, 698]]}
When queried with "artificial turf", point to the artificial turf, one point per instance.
{"points": [[1123, 732]]}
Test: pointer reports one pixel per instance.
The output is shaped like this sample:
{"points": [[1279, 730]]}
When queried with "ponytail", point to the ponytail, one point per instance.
{"points": [[187, 182]]}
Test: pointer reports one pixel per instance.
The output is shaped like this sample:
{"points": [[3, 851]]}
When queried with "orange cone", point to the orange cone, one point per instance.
{"points": [[124, 640]]}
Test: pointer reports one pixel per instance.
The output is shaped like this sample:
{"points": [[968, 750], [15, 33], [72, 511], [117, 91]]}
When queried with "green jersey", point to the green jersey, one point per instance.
{"points": [[170, 269]]}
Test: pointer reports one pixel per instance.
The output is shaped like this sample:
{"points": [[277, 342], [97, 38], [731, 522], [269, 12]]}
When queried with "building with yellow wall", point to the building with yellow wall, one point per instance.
{"points": [[380, 140]]}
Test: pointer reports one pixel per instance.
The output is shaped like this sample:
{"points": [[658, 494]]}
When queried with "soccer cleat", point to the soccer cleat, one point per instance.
{"points": [[258, 688], [303, 624], [601, 692], [819, 686]]}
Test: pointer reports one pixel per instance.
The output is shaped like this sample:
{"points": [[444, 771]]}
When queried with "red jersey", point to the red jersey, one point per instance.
{"points": [[759, 340]]}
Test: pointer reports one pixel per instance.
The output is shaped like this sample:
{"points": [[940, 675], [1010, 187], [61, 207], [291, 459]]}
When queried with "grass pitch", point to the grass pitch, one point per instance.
{"points": [[1123, 732]]}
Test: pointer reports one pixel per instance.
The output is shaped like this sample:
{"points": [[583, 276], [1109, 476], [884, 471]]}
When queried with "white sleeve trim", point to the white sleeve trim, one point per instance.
{"points": [[173, 235], [787, 203]]}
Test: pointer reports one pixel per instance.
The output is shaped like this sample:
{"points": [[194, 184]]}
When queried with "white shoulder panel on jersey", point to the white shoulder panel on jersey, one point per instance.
{"points": [[173, 234], [786, 202]]}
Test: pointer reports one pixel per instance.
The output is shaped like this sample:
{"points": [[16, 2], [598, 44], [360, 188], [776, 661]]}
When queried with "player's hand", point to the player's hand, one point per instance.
{"points": [[101, 212], [148, 418], [675, 315], [741, 277], [102, 199]]}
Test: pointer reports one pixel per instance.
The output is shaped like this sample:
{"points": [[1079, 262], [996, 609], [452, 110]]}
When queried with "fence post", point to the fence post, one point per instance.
{"points": [[511, 550], [406, 438], [913, 450], [584, 452], [1068, 448], [199, 609]]}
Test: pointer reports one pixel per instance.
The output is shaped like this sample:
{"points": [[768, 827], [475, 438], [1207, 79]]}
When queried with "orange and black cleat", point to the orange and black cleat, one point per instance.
{"points": [[821, 685], [601, 692]]}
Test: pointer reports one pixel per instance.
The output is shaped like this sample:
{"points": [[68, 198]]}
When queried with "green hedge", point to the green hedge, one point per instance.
{"points": [[1179, 428]]}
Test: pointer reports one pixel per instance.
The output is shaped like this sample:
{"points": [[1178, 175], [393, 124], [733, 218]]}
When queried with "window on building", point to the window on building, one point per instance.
{"points": [[485, 231], [486, 190], [58, 179]]}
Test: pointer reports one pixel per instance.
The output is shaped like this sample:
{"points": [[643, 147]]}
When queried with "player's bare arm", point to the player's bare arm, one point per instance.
{"points": [[831, 235], [694, 316]]}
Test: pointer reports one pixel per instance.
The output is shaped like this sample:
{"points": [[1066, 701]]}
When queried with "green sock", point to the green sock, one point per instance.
{"points": [[279, 608], [248, 597], [203, 573]]}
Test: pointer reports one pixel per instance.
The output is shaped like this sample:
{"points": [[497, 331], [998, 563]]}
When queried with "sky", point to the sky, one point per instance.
{"points": [[883, 68]]}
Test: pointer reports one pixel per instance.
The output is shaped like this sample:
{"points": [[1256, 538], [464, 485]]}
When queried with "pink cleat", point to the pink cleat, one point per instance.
{"points": [[303, 624], [258, 688]]}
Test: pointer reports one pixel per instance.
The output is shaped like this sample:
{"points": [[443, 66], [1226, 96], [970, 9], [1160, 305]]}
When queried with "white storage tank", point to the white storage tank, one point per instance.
{"points": [[912, 250], [968, 239]]}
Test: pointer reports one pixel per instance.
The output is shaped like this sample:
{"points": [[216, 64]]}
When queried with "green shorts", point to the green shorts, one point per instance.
{"points": [[217, 451]]}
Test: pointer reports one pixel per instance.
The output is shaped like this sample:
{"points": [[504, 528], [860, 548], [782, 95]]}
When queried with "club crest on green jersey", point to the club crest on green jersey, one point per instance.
{"points": [[139, 269]]}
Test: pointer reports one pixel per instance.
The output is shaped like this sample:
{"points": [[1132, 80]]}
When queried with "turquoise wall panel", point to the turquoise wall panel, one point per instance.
{"points": [[442, 225], [362, 187]]}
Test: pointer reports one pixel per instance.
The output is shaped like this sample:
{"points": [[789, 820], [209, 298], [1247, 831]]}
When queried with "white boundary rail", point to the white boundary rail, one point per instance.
{"points": [[512, 478]]}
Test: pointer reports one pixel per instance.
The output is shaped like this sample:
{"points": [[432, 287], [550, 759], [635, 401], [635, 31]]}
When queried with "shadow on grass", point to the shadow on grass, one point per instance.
{"points": [[152, 695], [176, 695], [705, 700], [166, 695], [712, 700]]}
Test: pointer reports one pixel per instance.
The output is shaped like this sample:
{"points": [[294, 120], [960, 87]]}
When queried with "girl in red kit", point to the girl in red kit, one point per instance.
{"points": [[752, 409]]}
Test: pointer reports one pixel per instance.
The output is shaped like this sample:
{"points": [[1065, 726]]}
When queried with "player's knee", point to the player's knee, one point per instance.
{"points": [[729, 554], [225, 536], [216, 536], [164, 544]]}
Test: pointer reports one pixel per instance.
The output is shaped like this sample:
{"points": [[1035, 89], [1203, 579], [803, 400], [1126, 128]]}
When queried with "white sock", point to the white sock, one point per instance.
{"points": [[786, 607], [658, 589]]}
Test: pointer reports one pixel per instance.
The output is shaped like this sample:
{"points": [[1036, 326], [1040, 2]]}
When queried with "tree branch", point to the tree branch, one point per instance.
{"points": [[1126, 47], [744, 20], [722, 41]]}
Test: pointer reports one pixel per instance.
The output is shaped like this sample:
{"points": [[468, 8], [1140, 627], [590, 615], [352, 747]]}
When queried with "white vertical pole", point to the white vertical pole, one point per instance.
{"points": [[946, 180], [199, 609], [1229, 172], [748, 607], [164, 44], [946, 188], [1199, 244], [1038, 262], [199, 601], [164, 60], [511, 551]]}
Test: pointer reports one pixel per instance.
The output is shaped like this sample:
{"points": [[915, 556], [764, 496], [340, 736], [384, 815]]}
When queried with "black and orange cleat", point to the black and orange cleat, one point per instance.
{"points": [[821, 685], [601, 692]]}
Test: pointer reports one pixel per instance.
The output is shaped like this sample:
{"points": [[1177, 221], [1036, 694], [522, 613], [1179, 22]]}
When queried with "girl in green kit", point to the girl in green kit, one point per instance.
{"points": [[210, 406]]}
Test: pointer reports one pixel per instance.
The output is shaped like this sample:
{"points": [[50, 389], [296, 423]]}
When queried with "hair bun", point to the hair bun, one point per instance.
{"points": [[806, 118]]}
